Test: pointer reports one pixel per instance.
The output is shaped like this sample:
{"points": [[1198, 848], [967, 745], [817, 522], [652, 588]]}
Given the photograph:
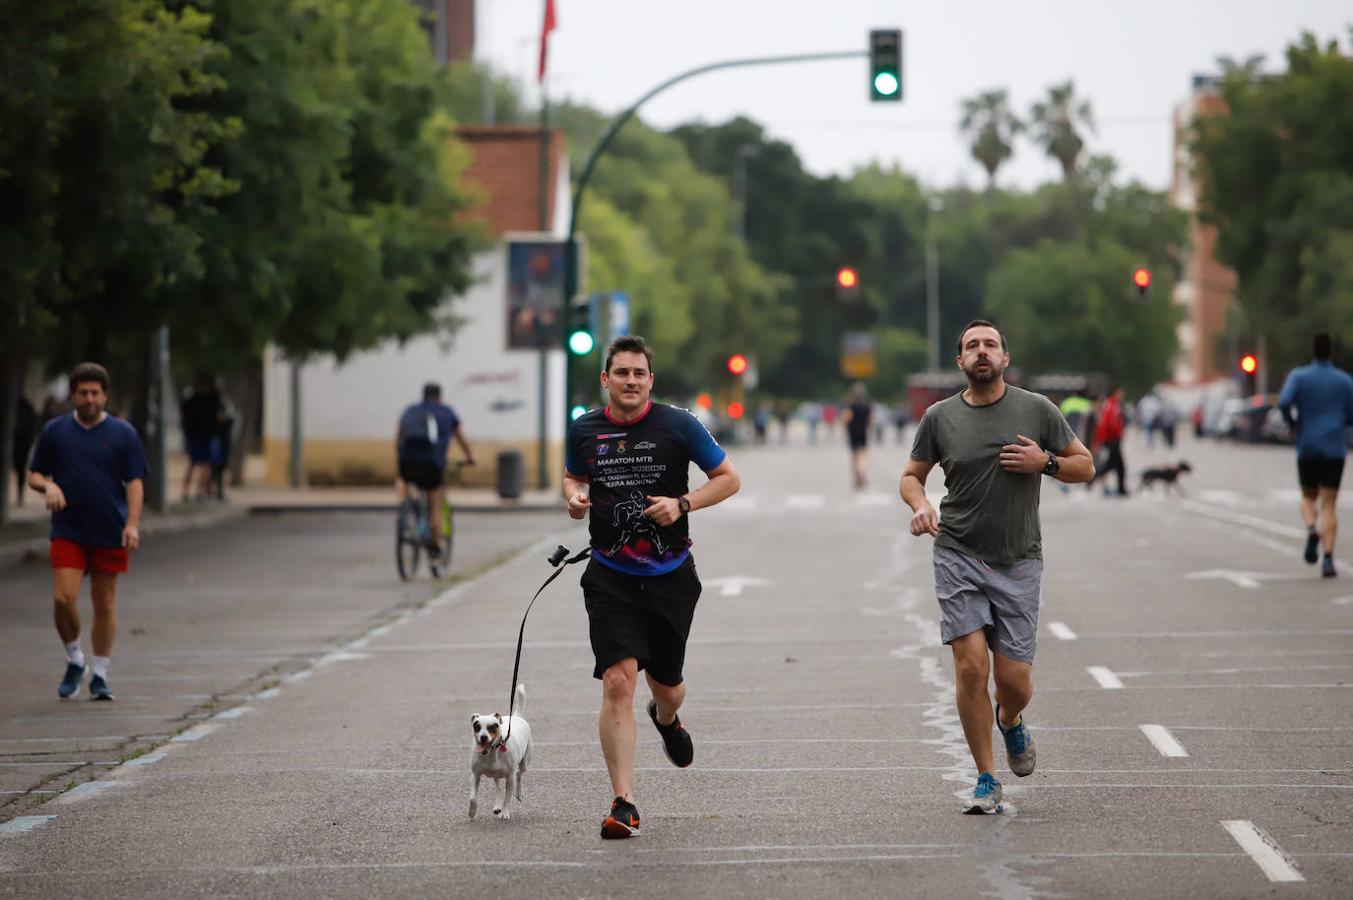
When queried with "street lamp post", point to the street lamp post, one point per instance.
{"points": [[744, 152], [932, 286]]}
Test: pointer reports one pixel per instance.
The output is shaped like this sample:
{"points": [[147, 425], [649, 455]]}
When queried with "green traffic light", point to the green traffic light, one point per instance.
{"points": [[578, 412], [886, 84], [581, 342]]}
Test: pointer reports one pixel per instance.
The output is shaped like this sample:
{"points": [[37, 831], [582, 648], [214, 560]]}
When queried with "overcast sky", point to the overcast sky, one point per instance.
{"points": [[1133, 61]]}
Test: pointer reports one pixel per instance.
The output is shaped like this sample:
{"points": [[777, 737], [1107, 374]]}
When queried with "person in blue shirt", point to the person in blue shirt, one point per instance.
{"points": [[92, 469], [626, 471], [422, 442], [1317, 403]]}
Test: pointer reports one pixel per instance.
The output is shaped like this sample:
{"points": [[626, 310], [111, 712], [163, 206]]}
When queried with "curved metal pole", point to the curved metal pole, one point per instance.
{"points": [[584, 177]]}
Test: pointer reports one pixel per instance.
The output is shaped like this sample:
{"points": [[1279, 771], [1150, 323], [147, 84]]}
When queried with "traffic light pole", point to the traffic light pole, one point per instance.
{"points": [[585, 177]]}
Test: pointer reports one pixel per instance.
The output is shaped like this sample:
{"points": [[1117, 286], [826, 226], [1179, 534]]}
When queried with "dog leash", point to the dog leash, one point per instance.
{"points": [[560, 560]]}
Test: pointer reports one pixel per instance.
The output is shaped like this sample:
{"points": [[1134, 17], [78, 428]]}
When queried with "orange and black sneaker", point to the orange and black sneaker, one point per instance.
{"points": [[621, 822], [676, 741]]}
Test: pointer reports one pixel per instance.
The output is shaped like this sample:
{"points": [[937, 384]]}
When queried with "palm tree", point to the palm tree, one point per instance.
{"points": [[1056, 125], [989, 127]]}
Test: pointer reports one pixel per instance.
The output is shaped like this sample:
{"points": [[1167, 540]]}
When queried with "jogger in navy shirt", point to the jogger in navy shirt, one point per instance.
{"points": [[91, 468]]}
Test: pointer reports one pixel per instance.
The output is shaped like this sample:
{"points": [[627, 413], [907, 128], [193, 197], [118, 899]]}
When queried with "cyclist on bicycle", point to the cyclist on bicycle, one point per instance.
{"points": [[422, 441]]}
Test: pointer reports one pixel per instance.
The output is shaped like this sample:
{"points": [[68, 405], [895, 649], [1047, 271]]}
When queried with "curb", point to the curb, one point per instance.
{"points": [[266, 509], [11, 554]]}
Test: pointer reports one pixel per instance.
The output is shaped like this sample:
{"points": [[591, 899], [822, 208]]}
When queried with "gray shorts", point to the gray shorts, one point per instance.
{"points": [[1003, 600]]}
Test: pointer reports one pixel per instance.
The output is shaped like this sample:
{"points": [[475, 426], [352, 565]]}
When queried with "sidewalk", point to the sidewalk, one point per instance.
{"points": [[27, 532]]}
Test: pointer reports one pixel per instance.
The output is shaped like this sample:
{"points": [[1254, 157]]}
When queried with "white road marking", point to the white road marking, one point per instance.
{"points": [[298, 676], [234, 713], [1342, 601], [1263, 850], [82, 791], [196, 733], [734, 585], [876, 498], [1224, 515], [1239, 578], [1062, 631], [1222, 497], [739, 504], [268, 694], [804, 501], [149, 759], [1163, 741], [1105, 677], [24, 824]]}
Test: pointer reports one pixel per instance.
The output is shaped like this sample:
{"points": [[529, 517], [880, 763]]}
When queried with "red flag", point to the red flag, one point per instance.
{"points": [[545, 30]]}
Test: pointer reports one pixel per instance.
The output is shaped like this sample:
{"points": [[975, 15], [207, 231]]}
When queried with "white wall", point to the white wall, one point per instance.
{"points": [[495, 391]]}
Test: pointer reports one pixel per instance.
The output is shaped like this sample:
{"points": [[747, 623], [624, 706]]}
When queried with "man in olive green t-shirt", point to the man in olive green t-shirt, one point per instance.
{"points": [[994, 442]]}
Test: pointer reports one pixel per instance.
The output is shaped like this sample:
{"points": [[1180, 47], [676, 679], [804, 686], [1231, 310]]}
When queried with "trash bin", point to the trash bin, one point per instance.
{"points": [[511, 473]]}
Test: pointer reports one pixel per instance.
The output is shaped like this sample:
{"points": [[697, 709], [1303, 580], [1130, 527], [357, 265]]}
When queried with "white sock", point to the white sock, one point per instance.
{"points": [[74, 655], [101, 667]]}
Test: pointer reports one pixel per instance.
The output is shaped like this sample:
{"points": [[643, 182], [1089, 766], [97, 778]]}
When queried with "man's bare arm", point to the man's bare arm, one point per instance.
{"points": [[924, 520], [723, 483], [1078, 466]]}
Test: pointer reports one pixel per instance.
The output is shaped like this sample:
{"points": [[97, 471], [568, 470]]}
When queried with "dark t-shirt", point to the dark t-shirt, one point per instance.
{"points": [[425, 432], [626, 464], [201, 415], [861, 415], [92, 467], [988, 513]]}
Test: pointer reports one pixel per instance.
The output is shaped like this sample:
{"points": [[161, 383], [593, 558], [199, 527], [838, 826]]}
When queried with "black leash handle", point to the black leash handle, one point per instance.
{"points": [[560, 560]]}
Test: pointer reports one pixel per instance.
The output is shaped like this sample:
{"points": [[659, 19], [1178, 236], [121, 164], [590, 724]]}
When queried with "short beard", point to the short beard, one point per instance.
{"points": [[987, 377]]}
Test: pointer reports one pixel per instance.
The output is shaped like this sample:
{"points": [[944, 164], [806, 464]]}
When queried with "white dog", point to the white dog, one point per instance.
{"points": [[500, 755]]}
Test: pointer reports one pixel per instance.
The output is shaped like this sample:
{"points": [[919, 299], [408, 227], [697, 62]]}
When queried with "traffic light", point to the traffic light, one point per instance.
{"points": [[581, 342], [847, 284], [1142, 279], [1249, 367], [737, 364], [885, 65], [735, 410]]}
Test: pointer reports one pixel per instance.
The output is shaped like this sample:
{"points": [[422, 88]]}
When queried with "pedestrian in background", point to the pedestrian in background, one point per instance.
{"points": [[994, 443], [25, 427], [91, 468], [858, 415], [1109, 436], [200, 414], [1317, 403]]}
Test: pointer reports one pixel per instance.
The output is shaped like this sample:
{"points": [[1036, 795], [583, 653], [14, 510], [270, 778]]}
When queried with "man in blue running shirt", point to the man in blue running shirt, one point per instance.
{"points": [[1317, 403]]}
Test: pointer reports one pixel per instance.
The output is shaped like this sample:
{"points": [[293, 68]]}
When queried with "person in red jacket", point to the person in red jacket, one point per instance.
{"points": [[1109, 435]]}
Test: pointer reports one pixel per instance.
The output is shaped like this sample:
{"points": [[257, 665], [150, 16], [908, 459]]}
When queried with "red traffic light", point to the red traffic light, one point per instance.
{"points": [[1249, 364], [737, 364], [847, 278], [1142, 278], [735, 410]]}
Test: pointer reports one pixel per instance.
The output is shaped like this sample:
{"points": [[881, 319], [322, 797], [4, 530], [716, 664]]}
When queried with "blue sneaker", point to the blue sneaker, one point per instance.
{"points": [[70, 684], [1019, 746], [986, 797], [99, 689]]}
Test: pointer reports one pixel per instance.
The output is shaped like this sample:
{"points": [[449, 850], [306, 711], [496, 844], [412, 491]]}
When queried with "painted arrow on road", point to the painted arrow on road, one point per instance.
{"points": [[1251, 580], [733, 585]]}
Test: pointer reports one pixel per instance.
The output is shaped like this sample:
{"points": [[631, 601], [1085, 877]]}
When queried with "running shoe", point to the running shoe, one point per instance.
{"points": [[621, 822], [1019, 746], [1327, 567], [986, 797], [676, 742], [1312, 547], [99, 689], [70, 683]]}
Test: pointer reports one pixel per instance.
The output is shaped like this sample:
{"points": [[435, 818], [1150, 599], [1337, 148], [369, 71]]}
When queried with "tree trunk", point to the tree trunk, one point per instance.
{"points": [[11, 374], [246, 391]]}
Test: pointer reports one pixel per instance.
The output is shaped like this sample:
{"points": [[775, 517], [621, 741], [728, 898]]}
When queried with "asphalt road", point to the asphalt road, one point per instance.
{"points": [[829, 760]]}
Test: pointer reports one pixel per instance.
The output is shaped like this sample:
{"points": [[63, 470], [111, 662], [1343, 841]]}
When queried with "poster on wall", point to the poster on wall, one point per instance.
{"points": [[535, 294]]}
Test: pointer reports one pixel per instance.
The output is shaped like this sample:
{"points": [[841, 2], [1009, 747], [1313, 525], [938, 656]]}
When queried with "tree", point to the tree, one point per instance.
{"points": [[1057, 124], [989, 126], [1276, 178]]}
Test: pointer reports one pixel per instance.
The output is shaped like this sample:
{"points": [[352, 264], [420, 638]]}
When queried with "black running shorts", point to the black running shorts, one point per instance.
{"points": [[427, 475], [647, 617], [1314, 472]]}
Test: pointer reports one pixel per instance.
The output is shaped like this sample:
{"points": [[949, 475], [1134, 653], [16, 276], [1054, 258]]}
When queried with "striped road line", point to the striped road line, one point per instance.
{"points": [[1263, 850], [1165, 742]]}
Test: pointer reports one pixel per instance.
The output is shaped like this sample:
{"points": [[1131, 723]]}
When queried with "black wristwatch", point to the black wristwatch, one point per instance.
{"points": [[685, 505], [1054, 465]]}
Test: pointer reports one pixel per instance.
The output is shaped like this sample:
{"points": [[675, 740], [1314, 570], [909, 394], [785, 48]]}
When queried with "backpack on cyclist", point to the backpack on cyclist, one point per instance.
{"points": [[417, 432]]}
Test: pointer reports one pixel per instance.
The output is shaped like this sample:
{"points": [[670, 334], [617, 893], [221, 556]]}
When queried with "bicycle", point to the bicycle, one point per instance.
{"points": [[413, 531]]}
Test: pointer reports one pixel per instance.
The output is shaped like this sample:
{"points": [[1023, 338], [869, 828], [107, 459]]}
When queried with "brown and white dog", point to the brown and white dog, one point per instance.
{"points": [[499, 755]]}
